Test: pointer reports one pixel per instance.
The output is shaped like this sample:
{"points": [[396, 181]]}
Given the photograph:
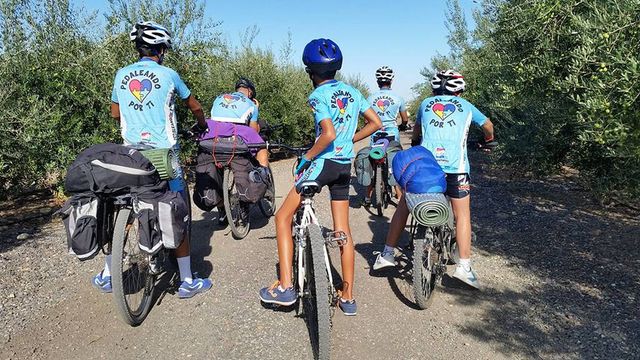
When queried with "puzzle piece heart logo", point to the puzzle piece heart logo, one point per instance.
{"points": [[140, 89], [228, 98], [342, 104], [443, 111], [382, 104]]}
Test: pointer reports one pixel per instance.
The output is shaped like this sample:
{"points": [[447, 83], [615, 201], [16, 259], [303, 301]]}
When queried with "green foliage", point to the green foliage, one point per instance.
{"points": [[58, 65], [561, 80]]}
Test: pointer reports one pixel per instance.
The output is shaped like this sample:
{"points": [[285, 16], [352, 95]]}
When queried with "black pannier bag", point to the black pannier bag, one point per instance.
{"points": [[80, 215], [219, 152], [163, 218], [108, 169], [364, 170], [207, 193], [393, 148]]}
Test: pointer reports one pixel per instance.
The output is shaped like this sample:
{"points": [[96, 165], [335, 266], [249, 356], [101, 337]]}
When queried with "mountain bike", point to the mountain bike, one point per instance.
{"points": [[312, 276], [433, 248], [381, 188], [134, 272]]}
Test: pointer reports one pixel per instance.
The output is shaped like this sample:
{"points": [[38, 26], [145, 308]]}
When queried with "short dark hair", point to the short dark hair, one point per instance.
{"points": [[382, 83], [327, 75], [149, 50]]}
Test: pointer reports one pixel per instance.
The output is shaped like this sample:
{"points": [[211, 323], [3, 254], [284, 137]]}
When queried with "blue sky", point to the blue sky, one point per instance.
{"points": [[401, 34]]}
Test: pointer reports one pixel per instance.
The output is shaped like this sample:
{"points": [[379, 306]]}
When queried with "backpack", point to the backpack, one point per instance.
{"points": [[417, 171], [108, 169], [80, 215], [393, 148], [163, 219], [364, 170]]}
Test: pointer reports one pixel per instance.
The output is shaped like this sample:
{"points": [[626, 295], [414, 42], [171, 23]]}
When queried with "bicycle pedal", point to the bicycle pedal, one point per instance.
{"points": [[336, 239]]}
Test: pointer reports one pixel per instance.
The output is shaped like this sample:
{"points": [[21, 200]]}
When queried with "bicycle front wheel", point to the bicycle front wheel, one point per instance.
{"points": [[237, 216], [131, 280], [425, 258], [317, 295]]}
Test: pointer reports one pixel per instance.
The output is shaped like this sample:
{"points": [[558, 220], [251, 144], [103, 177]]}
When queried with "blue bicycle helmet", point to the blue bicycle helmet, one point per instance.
{"points": [[322, 56]]}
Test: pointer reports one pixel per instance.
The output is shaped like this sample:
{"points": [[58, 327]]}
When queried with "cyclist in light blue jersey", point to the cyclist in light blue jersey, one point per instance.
{"points": [[143, 102], [443, 122], [388, 105], [336, 107]]}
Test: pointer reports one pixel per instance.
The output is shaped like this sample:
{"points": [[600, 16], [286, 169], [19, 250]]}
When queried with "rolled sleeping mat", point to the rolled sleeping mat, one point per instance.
{"points": [[430, 209], [379, 149], [165, 161]]}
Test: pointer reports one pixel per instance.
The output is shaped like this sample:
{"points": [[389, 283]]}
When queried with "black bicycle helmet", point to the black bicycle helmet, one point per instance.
{"points": [[248, 84]]}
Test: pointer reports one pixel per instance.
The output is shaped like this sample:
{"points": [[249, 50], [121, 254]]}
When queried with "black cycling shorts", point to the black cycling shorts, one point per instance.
{"points": [[335, 175], [458, 186]]}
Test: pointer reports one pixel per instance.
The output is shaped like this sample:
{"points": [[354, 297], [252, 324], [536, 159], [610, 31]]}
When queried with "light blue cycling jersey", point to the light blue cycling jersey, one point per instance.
{"points": [[234, 108], [445, 121], [387, 105], [343, 104], [146, 92]]}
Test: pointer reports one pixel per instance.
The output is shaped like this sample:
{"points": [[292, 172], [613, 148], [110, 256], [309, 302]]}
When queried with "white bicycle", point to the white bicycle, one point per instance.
{"points": [[312, 276]]}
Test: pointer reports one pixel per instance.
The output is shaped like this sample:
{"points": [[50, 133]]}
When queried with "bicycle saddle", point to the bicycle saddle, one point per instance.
{"points": [[308, 188]]}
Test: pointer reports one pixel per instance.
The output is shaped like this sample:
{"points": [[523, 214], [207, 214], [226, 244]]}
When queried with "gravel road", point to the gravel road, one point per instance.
{"points": [[561, 279]]}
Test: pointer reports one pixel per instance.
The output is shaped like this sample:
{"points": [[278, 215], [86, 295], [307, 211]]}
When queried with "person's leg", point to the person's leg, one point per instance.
{"points": [[399, 220], [282, 291], [284, 220], [462, 214], [263, 157], [340, 214]]}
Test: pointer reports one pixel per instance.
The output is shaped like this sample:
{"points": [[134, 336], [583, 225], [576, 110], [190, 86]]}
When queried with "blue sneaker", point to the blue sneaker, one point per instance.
{"points": [[348, 307], [276, 295], [102, 283], [197, 286]]}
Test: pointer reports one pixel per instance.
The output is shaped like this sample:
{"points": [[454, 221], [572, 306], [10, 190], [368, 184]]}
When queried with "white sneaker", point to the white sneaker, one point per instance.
{"points": [[384, 260], [468, 277]]}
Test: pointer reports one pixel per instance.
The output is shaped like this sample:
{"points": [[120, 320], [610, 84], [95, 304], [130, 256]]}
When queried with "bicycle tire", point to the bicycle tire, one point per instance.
{"points": [[267, 204], [125, 222], [318, 303], [424, 276], [238, 219], [378, 191]]}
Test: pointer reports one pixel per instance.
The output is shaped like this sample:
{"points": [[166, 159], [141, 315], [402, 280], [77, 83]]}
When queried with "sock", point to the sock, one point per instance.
{"points": [[388, 250], [184, 265], [465, 263], [107, 266]]}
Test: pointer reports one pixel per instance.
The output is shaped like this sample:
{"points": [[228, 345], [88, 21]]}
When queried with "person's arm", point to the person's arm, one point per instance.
{"points": [[325, 139], [372, 124], [487, 130], [196, 110], [253, 122], [416, 138], [115, 111], [404, 117]]}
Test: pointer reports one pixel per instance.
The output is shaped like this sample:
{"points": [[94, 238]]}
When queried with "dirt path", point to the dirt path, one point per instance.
{"points": [[561, 280]]}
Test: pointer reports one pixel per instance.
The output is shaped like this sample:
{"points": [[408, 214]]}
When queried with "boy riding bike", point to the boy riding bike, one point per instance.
{"points": [[443, 120], [388, 105], [237, 114], [336, 107], [142, 103]]}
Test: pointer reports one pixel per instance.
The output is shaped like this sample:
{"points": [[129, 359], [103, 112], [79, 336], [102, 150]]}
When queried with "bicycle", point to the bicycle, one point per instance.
{"points": [[433, 247], [134, 272], [312, 276], [382, 190], [236, 211]]}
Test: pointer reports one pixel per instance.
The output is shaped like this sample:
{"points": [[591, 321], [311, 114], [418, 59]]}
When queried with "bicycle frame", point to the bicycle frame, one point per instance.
{"points": [[307, 217]]}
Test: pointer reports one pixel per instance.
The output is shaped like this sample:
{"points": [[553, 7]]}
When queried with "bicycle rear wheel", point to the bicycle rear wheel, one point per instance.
{"points": [[267, 204], [378, 190], [425, 258], [317, 294], [131, 279], [237, 215]]}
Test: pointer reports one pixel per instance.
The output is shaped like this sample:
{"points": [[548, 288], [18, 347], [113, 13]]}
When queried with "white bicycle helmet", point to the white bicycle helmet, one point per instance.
{"points": [[452, 81], [384, 73], [150, 33]]}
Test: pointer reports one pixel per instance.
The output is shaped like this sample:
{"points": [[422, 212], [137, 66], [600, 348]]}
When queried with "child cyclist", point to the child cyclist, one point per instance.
{"points": [[336, 107]]}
